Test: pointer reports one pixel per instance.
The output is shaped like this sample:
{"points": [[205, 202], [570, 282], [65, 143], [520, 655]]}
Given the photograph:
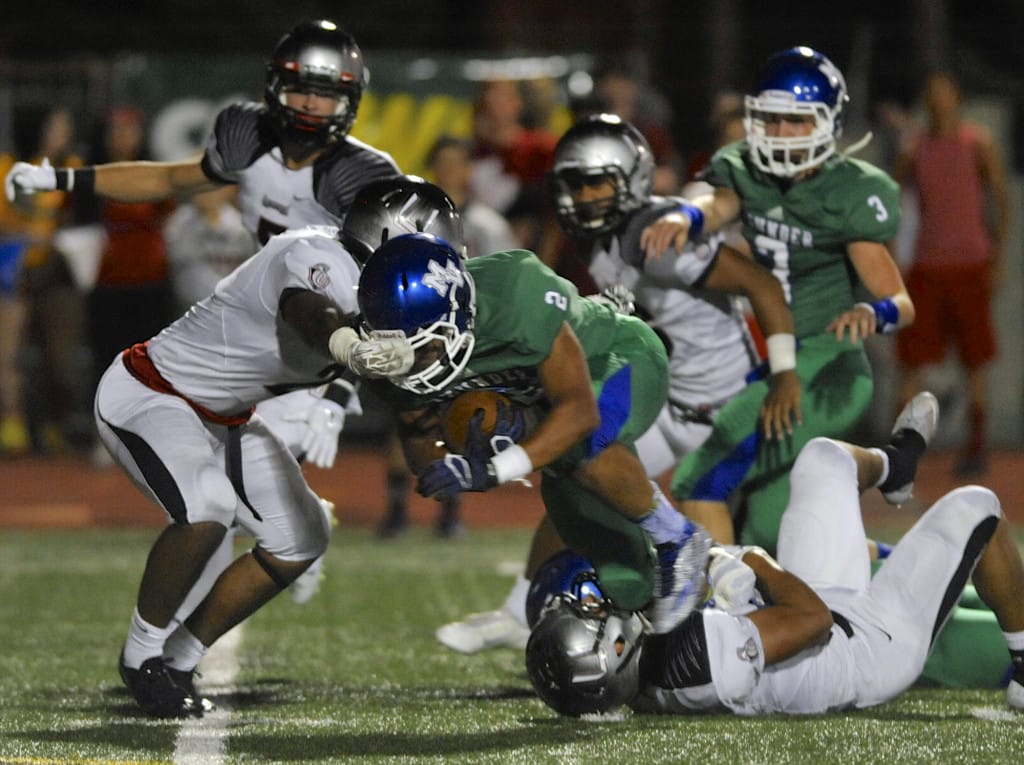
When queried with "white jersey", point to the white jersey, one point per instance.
{"points": [[883, 626], [243, 149], [231, 350], [709, 355]]}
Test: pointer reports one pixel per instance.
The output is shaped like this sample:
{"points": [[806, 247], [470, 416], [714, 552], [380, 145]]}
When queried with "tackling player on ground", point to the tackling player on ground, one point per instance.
{"points": [[831, 637]]}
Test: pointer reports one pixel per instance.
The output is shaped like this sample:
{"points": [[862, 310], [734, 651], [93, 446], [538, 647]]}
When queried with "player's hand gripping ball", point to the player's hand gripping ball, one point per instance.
{"points": [[500, 420]]}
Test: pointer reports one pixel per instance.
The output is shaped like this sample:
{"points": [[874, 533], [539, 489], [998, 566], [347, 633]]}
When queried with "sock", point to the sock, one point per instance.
{"points": [[664, 523], [976, 439], [1015, 642], [144, 641], [904, 450], [183, 650], [449, 512], [398, 490], [515, 603], [884, 550], [885, 465]]}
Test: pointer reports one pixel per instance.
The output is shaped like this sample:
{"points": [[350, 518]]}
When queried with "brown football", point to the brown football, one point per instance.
{"points": [[456, 415]]}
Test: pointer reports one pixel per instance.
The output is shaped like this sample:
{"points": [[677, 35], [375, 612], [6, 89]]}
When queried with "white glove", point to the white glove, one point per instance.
{"points": [[384, 353], [732, 581], [28, 178], [324, 422], [618, 297]]}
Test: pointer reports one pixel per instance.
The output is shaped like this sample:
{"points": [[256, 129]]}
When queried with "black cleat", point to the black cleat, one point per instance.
{"points": [[186, 681], [156, 692]]}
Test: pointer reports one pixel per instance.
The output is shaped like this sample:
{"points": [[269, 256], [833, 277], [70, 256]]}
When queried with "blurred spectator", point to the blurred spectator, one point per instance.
{"points": [[726, 125], [956, 169], [510, 160], [132, 299], [40, 307], [485, 229], [206, 241], [624, 94]]}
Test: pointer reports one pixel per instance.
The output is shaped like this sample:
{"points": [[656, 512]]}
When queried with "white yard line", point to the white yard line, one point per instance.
{"points": [[204, 741]]}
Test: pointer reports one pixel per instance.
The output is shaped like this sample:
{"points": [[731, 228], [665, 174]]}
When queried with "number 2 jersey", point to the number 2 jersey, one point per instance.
{"points": [[800, 231], [243, 149], [521, 307]]}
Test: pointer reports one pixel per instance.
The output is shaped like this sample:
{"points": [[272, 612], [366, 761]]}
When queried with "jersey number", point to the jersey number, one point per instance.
{"points": [[881, 214], [556, 299], [775, 255]]}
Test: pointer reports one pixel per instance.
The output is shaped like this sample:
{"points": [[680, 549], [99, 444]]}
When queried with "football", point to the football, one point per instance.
{"points": [[456, 415]]}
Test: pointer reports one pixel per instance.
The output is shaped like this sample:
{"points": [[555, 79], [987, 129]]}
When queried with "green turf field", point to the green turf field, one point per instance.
{"points": [[356, 676]]}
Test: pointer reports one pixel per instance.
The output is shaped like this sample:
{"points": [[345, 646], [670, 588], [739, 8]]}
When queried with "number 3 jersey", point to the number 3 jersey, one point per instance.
{"points": [[243, 149], [800, 231]]}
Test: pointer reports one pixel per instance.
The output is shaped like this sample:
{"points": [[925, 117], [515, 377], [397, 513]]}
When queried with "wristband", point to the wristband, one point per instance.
{"points": [[511, 464], [696, 216], [781, 352], [67, 179], [887, 315]]}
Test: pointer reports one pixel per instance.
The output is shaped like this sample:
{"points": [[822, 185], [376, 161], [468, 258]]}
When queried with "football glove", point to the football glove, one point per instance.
{"points": [[732, 581], [472, 471], [383, 353], [27, 178]]}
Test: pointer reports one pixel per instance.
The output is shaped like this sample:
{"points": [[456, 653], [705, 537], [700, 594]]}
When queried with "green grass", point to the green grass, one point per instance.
{"points": [[356, 676]]}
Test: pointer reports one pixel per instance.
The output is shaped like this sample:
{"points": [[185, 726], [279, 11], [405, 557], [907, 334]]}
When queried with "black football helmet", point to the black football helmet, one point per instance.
{"points": [[583, 655], [315, 56], [595, 149], [404, 204]]}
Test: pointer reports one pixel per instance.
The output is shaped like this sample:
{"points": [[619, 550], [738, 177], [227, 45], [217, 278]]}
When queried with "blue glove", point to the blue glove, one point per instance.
{"points": [[509, 428], [472, 471]]}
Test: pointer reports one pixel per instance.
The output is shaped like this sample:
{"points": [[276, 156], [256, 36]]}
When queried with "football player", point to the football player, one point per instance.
{"points": [[831, 637], [505, 321], [601, 183], [819, 221]]}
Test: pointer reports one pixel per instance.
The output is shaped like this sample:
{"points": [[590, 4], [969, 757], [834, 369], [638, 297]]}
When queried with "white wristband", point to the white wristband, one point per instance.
{"points": [[341, 343], [781, 352], [511, 464]]}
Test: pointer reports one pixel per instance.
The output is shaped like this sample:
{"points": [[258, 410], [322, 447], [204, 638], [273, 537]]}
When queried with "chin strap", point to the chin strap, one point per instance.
{"points": [[858, 145]]}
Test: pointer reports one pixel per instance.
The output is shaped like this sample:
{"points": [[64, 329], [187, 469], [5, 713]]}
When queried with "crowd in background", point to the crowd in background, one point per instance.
{"points": [[82, 277]]}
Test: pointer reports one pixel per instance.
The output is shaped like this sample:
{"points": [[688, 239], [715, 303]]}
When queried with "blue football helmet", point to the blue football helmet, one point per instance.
{"points": [[315, 56], [799, 81], [418, 284], [563, 572]]}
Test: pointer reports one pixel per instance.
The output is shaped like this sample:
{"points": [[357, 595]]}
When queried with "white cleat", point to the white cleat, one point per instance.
{"points": [[484, 631], [921, 414], [679, 584], [1015, 695]]}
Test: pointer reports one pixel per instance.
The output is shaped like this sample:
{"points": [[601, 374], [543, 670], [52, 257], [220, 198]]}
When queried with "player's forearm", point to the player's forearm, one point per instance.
{"points": [[565, 425], [796, 620], [314, 317], [148, 181]]}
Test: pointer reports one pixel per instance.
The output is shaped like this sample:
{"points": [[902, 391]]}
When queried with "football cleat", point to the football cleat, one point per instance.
{"points": [[921, 416], [1015, 695], [680, 577], [156, 692], [484, 631], [185, 680]]}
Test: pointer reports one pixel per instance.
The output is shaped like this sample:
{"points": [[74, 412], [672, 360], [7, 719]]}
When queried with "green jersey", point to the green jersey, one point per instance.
{"points": [[800, 231], [521, 305]]}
